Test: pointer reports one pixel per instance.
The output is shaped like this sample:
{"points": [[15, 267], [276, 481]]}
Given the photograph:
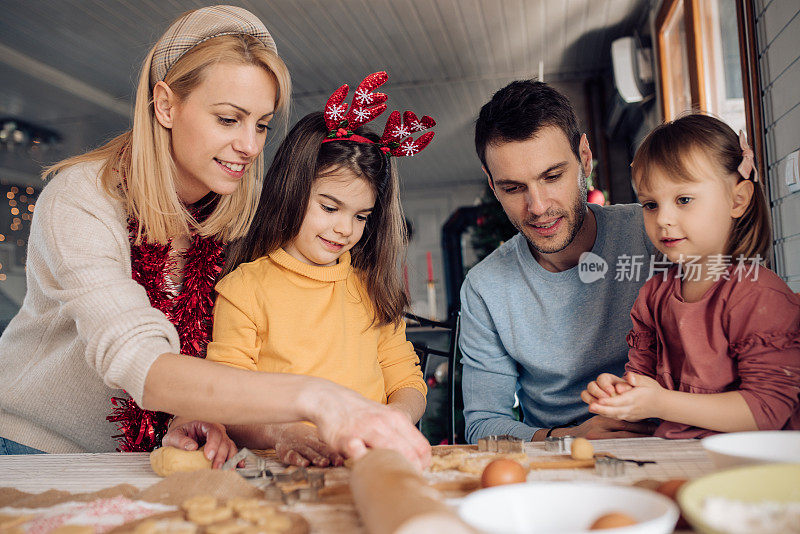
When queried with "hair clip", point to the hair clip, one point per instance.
{"points": [[747, 166], [367, 106]]}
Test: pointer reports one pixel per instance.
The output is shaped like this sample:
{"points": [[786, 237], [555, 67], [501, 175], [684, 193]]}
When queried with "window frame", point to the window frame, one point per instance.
{"points": [[748, 58]]}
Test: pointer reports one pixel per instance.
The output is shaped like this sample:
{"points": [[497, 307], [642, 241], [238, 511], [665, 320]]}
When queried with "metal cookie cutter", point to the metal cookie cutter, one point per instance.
{"points": [[290, 485], [503, 443], [559, 444], [608, 466]]}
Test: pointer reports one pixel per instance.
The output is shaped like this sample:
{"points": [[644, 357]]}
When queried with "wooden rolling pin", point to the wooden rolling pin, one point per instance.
{"points": [[392, 497]]}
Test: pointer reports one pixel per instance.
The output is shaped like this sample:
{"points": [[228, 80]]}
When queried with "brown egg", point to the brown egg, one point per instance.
{"points": [[503, 471], [612, 520], [581, 449], [670, 487]]}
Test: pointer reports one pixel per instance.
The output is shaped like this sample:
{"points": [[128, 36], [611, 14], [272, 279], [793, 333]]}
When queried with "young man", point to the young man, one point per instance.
{"points": [[544, 314]]}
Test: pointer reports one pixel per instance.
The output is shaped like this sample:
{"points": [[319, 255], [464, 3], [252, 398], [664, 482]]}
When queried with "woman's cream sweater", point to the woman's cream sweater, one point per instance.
{"points": [[85, 331]]}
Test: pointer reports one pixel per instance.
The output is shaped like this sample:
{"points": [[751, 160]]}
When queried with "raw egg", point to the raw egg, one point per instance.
{"points": [[503, 471], [581, 449], [612, 520]]}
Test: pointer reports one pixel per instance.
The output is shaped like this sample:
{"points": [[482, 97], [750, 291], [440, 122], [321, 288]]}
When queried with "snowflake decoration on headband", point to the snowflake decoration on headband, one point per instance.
{"points": [[365, 107], [335, 113]]}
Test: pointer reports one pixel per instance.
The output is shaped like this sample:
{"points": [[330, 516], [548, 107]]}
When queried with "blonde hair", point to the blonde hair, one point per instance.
{"points": [[138, 167]]}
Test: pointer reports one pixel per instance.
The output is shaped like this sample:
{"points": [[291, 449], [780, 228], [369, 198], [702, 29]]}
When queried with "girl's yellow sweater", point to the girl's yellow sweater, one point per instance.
{"points": [[280, 315]]}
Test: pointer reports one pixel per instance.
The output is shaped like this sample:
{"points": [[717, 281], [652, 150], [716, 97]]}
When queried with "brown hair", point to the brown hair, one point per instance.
{"points": [[137, 166], [519, 111], [300, 160], [671, 145]]}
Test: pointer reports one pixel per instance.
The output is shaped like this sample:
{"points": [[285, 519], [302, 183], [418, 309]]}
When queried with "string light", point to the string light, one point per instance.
{"points": [[20, 199]]}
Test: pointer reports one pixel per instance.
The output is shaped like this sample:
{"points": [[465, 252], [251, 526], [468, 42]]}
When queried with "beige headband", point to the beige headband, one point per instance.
{"points": [[201, 25]]}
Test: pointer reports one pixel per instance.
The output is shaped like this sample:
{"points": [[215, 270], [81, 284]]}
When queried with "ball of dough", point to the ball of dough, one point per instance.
{"points": [[582, 449], [168, 460]]}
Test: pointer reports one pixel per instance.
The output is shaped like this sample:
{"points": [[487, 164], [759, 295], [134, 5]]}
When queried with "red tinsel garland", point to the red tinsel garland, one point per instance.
{"points": [[191, 313]]}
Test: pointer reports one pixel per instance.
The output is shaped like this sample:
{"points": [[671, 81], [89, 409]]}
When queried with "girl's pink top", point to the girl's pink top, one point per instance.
{"points": [[743, 335]]}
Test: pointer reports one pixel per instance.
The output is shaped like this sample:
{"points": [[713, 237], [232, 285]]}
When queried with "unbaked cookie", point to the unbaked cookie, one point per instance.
{"points": [[209, 515], [73, 529], [472, 463], [199, 502], [231, 526], [258, 515], [166, 526], [242, 503]]}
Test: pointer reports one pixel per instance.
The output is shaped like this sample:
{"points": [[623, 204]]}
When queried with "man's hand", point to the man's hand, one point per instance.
{"points": [[599, 427], [606, 386], [190, 435], [299, 444], [641, 401]]}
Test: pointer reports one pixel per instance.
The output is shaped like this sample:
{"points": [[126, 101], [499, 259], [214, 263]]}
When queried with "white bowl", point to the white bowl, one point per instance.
{"points": [[743, 448], [565, 507]]}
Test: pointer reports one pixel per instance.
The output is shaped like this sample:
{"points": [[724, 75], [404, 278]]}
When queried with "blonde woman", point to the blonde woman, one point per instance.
{"points": [[126, 244]]}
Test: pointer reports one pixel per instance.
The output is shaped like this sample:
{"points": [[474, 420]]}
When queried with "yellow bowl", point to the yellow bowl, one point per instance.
{"points": [[752, 484]]}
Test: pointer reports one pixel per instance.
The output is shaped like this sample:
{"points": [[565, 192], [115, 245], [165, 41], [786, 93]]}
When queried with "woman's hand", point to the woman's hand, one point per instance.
{"points": [[190, 435], [350, 424], [299, 444], [640, 401]]}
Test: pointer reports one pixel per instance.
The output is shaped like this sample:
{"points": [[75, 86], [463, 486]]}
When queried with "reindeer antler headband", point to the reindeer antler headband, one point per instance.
{"points": [[365, 107]]}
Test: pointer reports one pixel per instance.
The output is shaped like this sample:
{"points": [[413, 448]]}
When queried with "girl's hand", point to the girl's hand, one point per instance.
{"points": [[299, 444], [641, 401], [190, 435], [606, 386]]}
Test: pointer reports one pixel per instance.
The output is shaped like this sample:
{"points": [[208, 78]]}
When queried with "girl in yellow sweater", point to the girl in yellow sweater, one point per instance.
{"points": [[314, 287]]}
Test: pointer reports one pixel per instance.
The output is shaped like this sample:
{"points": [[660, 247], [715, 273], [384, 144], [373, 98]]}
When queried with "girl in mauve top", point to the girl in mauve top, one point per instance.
{"points": [[715, 344]]}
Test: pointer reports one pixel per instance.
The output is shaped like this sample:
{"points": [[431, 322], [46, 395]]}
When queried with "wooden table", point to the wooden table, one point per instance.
{"points": [[91, 472]]}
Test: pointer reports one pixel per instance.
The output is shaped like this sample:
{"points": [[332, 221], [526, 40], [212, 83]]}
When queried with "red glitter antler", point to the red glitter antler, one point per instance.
{"points": [[365, 107], [397, 134]]}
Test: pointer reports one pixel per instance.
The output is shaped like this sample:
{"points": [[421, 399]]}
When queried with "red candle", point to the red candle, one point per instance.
{"points": [[430, 266]]}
